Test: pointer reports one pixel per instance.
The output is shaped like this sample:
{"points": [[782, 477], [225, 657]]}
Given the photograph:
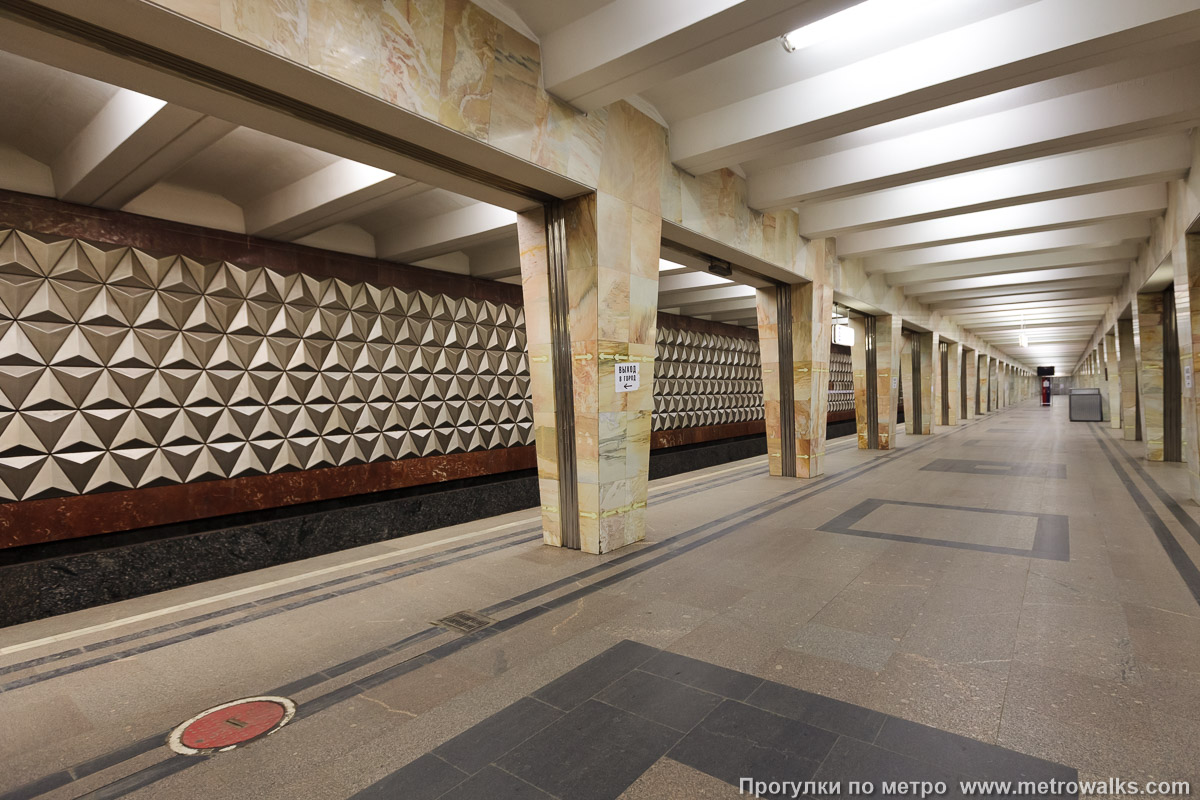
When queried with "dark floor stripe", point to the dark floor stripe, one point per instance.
{"points": [[1179, 558], [1185, 519], [132, 782]]}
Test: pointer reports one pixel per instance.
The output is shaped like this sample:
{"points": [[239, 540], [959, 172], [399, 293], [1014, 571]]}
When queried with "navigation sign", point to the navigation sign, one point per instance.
{"points": [[628, 377]]}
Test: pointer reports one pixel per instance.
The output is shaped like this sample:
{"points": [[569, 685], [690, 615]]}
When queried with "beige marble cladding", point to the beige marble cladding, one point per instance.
{"points": [[346, 41], [972, 386], [280, 26], [1127, 357], [927, 343], [412, 32], [812, 323], [1103, 383], [858, 363], [612, 246], [954, 384], [535, 291], [768, 344], [907, 343], [983, 386], [935, 383], [1149, 348], [887, 368], [993, 384], [1187, 286]]}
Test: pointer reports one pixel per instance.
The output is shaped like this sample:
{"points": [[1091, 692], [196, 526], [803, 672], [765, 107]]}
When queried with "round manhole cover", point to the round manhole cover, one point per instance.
{"points": [[226, 726]]}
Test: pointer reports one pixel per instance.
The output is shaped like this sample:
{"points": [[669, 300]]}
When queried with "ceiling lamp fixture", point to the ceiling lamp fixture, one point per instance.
{"points": [[836, 26], [865, 17], [1022, 338]]}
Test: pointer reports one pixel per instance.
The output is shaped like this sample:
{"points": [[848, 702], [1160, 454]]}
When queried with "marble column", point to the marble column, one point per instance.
{"points": [[994, 384], [612, 241], [1149, 348], [972, 380], [858, 363], [928, 350], [1102, 378], [936, 389], [811, 329], [1127, 359], [1114, 379], [984, 392], [954, 383], [907, 343], [1186, 259], [991, 384], [887, 373]]}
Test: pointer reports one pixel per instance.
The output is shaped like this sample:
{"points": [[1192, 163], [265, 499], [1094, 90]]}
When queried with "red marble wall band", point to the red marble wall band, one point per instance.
{"points": [[707, 433]]}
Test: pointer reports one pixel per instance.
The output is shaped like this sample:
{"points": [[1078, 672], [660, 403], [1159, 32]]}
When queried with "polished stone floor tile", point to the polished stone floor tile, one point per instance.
{"points": [[609, 748], [980, 639], [670, 780], [853, 760], [704, 676], [660, 700], [846, 719], [877, 610], [424, 779], [495, 784], [585, 680], [850, 647], [487, 741], [970, 757], [738, 740], [1092, 640], [1003, 469]]}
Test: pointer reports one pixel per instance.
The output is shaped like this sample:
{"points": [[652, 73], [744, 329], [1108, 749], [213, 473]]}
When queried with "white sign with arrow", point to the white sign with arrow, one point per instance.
{"points": [[628, 377]]}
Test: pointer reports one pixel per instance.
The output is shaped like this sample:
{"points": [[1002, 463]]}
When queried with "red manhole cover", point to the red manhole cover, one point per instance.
{"points": [[227, 726]]}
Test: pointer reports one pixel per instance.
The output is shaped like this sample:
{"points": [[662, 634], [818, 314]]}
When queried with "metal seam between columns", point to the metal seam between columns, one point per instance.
{"points": [[1172, 381], [787, 389], [564, 394], [918, 388]]}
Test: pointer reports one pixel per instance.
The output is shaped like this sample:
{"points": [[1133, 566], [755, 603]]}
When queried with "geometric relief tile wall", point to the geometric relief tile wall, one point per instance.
{"points": [[705, 379], [120, 370], [841, 381]]}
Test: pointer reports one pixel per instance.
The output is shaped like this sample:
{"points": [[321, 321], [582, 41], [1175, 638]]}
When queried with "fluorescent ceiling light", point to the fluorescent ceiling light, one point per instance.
{"points": [[669, 266], [869, 15]]}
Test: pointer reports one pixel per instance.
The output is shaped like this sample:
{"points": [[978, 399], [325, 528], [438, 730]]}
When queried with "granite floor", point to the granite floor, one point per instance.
{"points": [[1016, 598]]}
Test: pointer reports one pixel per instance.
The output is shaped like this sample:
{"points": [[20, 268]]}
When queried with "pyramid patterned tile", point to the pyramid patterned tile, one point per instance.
{"points": [[172, 369]]}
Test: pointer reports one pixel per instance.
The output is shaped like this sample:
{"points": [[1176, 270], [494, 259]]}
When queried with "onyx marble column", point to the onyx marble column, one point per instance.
{"points": [[954, 383], [1127, 358], [612, 242], [972, 380], [1149, 348], [887, 372]]}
